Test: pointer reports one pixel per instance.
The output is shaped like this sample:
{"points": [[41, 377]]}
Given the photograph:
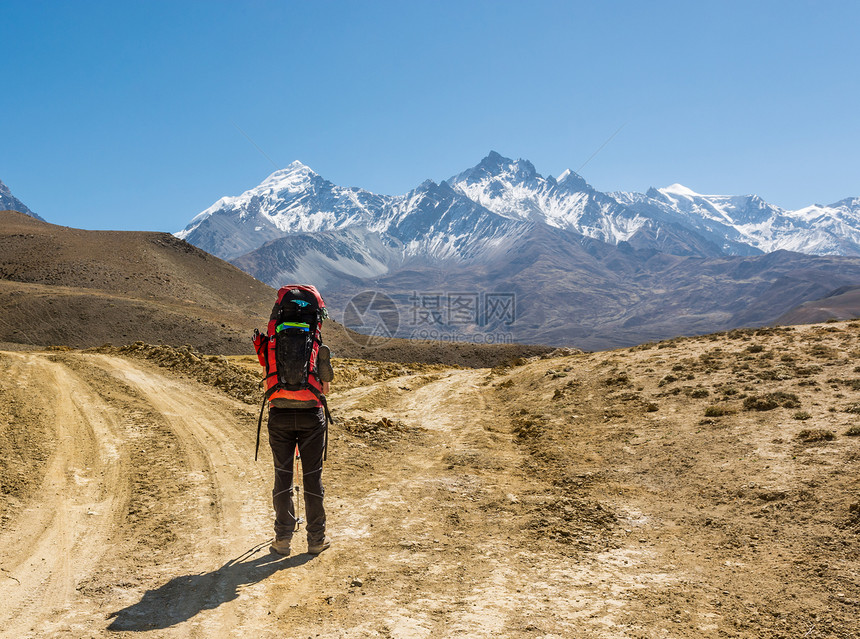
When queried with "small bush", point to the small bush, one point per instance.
{"points": [[699, 393], [717, 410], [802, 415], [755, 348], [816, 435], [621, 379], [824, 352], [667, 380], [806, 371], [854, 431], [771, 401]]}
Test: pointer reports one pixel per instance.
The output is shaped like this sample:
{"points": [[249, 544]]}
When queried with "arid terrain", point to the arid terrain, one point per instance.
{"points": [[71, 287], [698, 487]]}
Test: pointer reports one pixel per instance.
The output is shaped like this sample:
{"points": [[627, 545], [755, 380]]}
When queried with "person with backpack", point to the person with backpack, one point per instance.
{"points": [[298, 372]]}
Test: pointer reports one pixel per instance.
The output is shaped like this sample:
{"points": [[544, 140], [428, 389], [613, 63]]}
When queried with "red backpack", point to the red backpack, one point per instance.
{"points": [[290, 352]]}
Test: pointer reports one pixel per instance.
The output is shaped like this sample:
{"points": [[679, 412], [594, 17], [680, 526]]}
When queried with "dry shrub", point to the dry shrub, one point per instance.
{"points": [[816, 435], [717, 410], [667, 380], [806, 371], [527, 427], [619, 379], [770, 401]]}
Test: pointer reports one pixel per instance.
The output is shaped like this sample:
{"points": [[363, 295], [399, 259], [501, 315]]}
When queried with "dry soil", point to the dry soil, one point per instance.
{"points": [[701, 487]]}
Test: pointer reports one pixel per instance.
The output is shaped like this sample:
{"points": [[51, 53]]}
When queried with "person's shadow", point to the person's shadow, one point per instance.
{"points": [[183, 597]]}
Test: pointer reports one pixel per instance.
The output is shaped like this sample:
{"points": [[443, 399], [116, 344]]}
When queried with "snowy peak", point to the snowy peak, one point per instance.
{"points": [[497, 167], [9, 202], [572, 181], [739, 223], [293, 178], [849, 203], [515, 190], [291, 200], [679, 190]]}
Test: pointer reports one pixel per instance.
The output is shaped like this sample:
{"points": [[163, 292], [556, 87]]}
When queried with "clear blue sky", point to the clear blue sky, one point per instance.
{"points": [[124, 114]]}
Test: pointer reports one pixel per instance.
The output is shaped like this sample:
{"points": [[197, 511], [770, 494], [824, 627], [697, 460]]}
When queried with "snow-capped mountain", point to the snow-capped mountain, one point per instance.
{"points": [[292, 200], [462, 216], [9, 202], [432, 220], [327, 258], [618, 268], [436, 221], [516, 190], [746, 224]]}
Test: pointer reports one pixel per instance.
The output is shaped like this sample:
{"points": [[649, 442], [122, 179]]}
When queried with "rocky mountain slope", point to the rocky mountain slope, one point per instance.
{"points": [[67, 286], [9, 202]]}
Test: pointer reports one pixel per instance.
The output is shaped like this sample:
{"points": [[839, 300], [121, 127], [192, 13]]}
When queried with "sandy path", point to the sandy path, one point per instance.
{"points": [[87, 532], [51, 546], [153, 518]]}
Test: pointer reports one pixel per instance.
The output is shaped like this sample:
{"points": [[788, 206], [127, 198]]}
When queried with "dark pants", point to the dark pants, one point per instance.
{"points": [[305, 428]]}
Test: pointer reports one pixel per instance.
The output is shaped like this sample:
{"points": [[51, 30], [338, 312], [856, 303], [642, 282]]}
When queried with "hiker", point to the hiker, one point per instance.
{"points": [[298, 372]]}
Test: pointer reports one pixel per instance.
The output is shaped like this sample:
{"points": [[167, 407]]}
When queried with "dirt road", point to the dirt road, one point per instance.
{"points": [[556, 499], [151, 516]]}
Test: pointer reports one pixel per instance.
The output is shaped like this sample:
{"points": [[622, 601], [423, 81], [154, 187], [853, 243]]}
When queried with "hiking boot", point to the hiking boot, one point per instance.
{"points": [[281, 545], [318, 547], [326, 372]]}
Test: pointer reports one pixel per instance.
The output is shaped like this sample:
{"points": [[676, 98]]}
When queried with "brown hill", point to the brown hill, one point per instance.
{"points": [[66, 286], [60, 285], [841, 304]]}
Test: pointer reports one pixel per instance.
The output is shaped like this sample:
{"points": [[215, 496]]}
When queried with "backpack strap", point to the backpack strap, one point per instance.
{"points": [[328, 418], [266, 397]]}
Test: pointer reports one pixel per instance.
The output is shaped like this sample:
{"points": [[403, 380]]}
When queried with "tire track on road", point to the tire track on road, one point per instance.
{"points": [[63, 531], [231, 509]]}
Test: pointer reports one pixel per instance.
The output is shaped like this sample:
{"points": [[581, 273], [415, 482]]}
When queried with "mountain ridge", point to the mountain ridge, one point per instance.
{"points": [[586, 268], [8, 202], [298, 200]]}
